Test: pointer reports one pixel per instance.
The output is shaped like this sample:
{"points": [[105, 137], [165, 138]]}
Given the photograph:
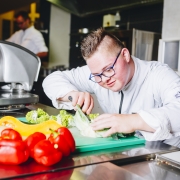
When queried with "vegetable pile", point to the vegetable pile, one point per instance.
{"points": [[38, 116], [44, 150], [66, 119]]}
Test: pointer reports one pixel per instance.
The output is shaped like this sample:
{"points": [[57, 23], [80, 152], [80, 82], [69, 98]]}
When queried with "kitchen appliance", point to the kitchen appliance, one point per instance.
{"points": [[19, 68]]}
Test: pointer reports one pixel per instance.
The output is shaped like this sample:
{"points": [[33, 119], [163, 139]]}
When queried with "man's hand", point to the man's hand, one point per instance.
{"points": [[42, 54], [83, 99], [122, 123]]}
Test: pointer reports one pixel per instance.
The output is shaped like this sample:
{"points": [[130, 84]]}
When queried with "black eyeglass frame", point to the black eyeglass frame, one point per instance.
{"points": [[101, 74]]}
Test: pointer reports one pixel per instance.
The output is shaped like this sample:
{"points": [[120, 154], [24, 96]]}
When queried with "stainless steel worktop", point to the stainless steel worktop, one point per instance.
{"points": [[131, 162]]}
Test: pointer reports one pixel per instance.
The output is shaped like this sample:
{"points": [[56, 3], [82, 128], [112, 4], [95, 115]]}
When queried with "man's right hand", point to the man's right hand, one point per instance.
{"points": [[83, 99]]}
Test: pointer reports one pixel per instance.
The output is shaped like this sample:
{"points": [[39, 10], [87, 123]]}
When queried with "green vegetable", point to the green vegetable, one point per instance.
{"points": [[52, 117], [37, 116], [92, 116], [65, 118], [82, 122]]}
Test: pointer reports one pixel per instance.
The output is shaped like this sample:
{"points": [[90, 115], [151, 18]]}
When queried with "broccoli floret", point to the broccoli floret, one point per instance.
{"points": [[52, 117], [65, 118], [37, 116]]}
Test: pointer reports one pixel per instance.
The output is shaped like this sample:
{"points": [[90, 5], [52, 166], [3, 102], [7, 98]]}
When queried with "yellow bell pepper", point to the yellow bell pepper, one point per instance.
{"points": [[27, 129]]}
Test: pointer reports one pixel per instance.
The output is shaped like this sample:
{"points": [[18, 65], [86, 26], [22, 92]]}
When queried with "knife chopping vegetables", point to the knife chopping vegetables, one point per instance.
{"points": [[82, 122]]}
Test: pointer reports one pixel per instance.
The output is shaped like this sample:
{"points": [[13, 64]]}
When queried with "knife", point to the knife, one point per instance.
{"points": [[114, 136], [77, 106]]}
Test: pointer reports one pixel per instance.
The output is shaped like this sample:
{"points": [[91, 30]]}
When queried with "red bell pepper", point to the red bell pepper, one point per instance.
{"points": [[10, 134], [63, 139], [68, 136], [60, 143], [32, 140], [45, 153], [12, 149]]}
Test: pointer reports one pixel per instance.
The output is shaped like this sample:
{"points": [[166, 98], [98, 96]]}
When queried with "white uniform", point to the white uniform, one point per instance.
{"points": [[153, 93], [31, 39]]}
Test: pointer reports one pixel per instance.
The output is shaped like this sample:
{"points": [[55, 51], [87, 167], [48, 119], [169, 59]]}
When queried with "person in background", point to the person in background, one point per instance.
{"points": [[136, 96], [28, 36]]}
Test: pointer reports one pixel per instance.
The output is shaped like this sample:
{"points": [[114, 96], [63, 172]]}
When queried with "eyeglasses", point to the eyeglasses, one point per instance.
{"points": [[109, 72]]}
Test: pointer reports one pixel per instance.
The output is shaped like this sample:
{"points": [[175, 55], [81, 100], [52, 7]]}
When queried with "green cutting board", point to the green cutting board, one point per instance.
{"points": [[23, 119], [84, 144]]}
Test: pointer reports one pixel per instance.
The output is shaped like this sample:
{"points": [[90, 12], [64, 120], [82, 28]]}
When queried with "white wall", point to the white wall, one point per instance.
{"points": [[171, 20], [59, 37]]}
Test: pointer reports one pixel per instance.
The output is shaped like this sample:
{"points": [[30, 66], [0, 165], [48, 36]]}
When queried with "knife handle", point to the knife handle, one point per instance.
{"points": [[70, 98]]}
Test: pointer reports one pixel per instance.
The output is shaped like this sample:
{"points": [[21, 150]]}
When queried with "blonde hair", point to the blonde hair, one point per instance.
{"points": [[92, 42]]}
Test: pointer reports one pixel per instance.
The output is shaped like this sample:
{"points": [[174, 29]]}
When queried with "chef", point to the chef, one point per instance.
{"points": [[28, 36], [136, 95]]}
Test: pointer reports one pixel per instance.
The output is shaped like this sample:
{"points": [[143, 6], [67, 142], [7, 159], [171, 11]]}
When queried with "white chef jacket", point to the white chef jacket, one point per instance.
{"points": [[31, 39], [153, 93]]}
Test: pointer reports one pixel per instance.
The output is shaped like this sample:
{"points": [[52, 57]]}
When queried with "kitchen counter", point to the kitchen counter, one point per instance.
{"points": [[127, 162]]}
